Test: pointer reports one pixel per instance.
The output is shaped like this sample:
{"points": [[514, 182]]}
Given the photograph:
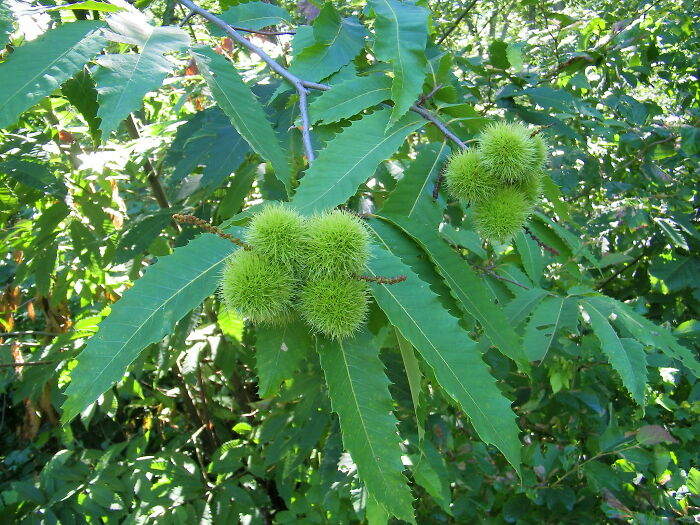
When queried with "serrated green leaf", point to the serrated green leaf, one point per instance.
{"points": [[37, 68], [123, 80], [278, 353], [625, 356], [253, 15], [170, 288], [336, 42], [466, 286], [244, 109], [411, 207], [522, 305], [402, 33], [552, 315], [350, 159], [649, 333], [359, 393], [349, 98], [412, 255], [671, 230], [412, 198], [531, 257], [34, 175], [454, 358], [82, 93]]}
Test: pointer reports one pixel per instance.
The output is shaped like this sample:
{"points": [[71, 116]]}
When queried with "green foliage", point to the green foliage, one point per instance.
{"points": [[258, 288], [401, 39], [336, 41], [37, 68], [350, 159], [123, 79], [244, 110], [359, 393], [550, 377], [349, 98], [253, 15], [146, 313], [334, 305]]}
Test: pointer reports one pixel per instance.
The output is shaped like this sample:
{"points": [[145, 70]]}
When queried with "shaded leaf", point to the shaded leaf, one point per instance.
{"points": [[359, 393], [522, 305], [278, 353], [244, 109], [552, 315], [454, 358], [34, 175], [654, 434], [81, 93], [414, 376], [34, 70], [682, 272]]}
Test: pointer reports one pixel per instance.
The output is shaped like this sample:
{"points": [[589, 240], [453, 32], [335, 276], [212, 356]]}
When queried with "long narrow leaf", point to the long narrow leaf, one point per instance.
{"points": [[455, 359], [243, 108], [629, 360], [349, 98], [172, 287], [402, 32], [39, 67], [359, 392], [350, 159]]}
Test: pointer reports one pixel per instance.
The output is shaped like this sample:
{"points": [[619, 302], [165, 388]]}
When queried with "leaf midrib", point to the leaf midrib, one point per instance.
{"points": [[149, 317], [362, 159]]}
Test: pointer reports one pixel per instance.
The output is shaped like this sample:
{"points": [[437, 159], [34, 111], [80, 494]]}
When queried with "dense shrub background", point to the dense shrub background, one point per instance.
{"points": [[190, 435]]}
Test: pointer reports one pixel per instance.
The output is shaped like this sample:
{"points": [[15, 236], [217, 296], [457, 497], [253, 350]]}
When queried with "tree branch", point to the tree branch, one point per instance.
{"points": [[266, 33], [302, 86], [151, 173], [456, 22]]}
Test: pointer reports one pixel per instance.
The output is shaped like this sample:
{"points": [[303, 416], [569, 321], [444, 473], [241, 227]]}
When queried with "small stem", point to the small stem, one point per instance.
{"points": [[438, 183], [299, 84], [381, 280], [266, 33], [540, 130], [305, 133], [424, 98], [26, 363], [541, 244], [204, 225]]}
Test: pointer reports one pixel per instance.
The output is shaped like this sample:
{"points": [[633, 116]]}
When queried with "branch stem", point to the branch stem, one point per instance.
{"points": [[302, 86]]}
